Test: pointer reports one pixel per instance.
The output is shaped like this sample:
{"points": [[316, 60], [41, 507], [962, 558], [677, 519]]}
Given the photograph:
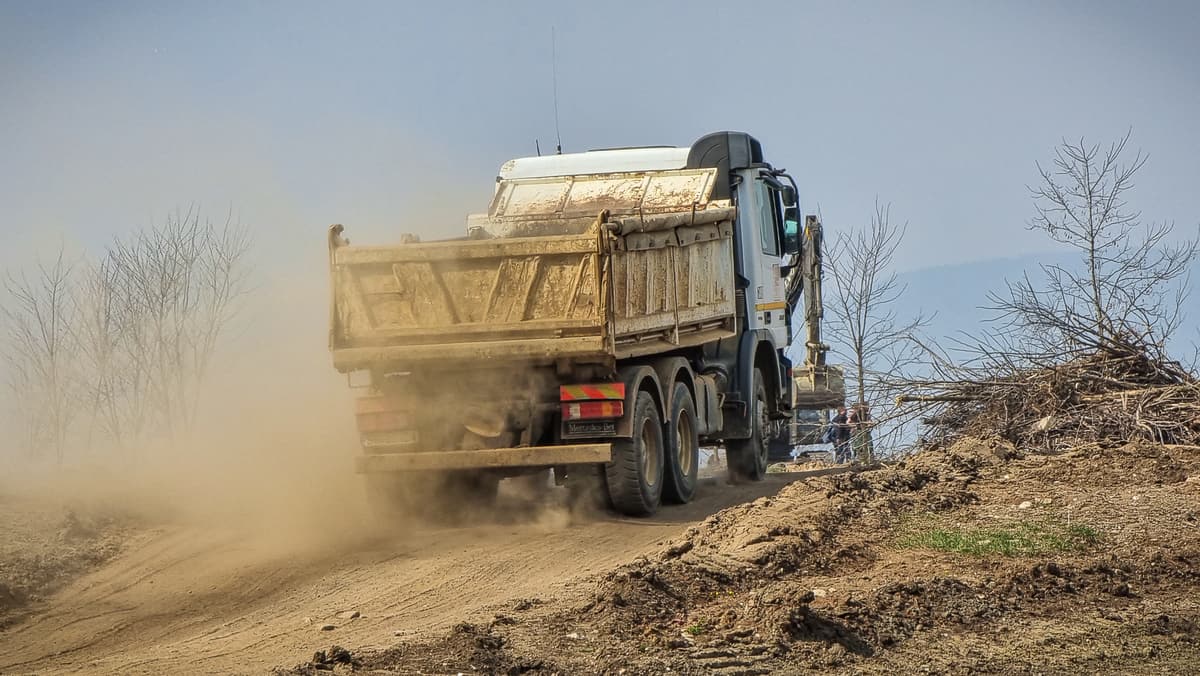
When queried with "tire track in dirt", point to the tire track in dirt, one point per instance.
{"points": [[187, 600]]}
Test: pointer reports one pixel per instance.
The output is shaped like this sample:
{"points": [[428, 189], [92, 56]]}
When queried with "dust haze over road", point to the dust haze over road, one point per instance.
{"points": [[201, 597], [245, 541]]}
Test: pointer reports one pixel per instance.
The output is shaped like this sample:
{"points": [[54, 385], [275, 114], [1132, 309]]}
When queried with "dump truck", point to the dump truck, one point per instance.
{"points": [[612, 311]]}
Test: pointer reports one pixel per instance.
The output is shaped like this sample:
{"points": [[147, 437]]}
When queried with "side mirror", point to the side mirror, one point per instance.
{"points": [[789, 195], [791, 231]]}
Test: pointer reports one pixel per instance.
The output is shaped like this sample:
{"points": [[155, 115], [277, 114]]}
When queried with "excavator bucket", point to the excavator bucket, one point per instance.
{"points": [[818, 387]]}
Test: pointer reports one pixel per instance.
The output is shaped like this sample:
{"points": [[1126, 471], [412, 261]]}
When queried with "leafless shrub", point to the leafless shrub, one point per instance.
{"points": [[177, 287], [1079, 357], [38, 347]]}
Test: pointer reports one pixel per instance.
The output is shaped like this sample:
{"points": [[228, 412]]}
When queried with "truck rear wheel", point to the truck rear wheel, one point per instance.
{"points": [[587, 489], [683, 448], [748, 457], [635, 475]]}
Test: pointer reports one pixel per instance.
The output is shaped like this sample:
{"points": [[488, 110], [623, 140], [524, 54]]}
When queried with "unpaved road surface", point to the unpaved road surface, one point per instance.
{"points": [[973, 558], [200, 600]]}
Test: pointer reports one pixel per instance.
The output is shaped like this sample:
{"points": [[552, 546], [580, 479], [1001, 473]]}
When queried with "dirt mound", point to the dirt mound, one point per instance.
{"points": [[335, 659], [973, 557], [43, 547], [468, 648], [1134, 463]]}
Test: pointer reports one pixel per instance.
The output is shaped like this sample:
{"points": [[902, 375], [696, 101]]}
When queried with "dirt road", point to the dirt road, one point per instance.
{"points": [[192, 600], [975, 558]]}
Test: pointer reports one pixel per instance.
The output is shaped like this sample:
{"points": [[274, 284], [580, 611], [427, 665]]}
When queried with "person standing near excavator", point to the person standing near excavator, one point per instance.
{"points": [[841, 436], [860, 423]]}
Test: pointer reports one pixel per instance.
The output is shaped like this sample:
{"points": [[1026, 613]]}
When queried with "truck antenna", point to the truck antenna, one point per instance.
{"points": [[554, 75], [538, 147]]}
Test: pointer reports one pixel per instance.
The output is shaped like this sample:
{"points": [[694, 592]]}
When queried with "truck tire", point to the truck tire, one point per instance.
{"points": [[747, 458], [683, 448], [635, 475], [587, 489]]}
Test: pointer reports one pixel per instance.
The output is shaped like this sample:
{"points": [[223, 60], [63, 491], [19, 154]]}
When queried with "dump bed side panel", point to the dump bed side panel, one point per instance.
{"points": [[673, 288], [526, 299]]}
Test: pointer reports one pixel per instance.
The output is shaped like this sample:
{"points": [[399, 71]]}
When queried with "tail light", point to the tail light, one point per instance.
{"points": [[593, 410], [382, 422], [592, 402], [380, 414]]}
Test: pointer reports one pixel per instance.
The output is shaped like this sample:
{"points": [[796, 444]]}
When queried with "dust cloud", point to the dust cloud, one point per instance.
{"points": [[271, 453], [270, 458]]}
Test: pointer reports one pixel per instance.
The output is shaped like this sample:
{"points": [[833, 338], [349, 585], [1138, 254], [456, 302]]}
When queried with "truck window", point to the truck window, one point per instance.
{"points": [[768, 218]]}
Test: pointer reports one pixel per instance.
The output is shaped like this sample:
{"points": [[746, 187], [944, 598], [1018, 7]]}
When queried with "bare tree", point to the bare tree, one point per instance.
{"points": [[38, 348], [865, 326], [1130, 281], [178, 288], [102, 332], [123, 344], [1080, 353]]}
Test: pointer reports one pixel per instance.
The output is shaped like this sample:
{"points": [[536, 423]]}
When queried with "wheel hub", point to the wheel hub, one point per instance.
{"points": [[649, 455], [684, 432]]}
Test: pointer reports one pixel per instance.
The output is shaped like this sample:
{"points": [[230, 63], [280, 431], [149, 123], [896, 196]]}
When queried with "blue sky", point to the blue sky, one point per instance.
{"points": [[394, 116]]}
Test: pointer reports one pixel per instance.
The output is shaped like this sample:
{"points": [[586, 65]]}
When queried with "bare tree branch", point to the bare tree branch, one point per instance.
{"points": [[38, 346], [1131, 280], [863, 322]]}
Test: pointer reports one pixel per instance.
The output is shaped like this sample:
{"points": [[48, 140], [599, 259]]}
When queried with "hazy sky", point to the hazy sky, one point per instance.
{"points": [[394, 116]]}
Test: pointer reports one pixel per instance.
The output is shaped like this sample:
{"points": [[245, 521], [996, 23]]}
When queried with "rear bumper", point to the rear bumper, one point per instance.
{"points": [[492, 458], [520, 350]]}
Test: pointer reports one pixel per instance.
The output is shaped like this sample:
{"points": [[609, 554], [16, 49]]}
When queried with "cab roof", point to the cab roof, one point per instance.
{"points": [[596, 162]]}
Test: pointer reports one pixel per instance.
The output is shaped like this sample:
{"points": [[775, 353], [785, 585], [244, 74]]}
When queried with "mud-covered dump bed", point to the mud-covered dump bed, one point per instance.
{"points": [[580, 268]]}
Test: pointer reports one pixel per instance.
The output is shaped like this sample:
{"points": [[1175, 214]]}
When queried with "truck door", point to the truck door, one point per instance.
{"points": [[760, 214]]}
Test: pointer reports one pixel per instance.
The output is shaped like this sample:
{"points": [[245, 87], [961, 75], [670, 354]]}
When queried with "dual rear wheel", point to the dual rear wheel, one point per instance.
{"points": [[659, 462]]}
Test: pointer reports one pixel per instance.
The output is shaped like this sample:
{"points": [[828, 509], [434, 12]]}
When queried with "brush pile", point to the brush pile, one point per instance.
{"points": [[1108, 397]]}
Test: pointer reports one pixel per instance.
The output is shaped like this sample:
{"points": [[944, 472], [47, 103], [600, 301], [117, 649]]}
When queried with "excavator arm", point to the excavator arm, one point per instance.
{"points": [[815, 385]]}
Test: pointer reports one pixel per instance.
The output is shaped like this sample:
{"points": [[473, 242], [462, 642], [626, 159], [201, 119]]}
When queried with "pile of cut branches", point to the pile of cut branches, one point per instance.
{"points": [[1114, 395]]}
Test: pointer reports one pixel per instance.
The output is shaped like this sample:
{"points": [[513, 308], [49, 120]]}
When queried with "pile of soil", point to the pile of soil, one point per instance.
{"points": [[839, 573], [44, 546]]}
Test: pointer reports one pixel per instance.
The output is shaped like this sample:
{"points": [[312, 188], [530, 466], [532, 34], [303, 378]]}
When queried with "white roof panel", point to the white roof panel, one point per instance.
{"points": [[596, 162]]}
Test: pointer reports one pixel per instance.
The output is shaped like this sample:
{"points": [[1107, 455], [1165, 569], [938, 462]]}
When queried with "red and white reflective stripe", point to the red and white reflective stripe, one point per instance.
{"points": [[590, 410], [591, 392]]}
